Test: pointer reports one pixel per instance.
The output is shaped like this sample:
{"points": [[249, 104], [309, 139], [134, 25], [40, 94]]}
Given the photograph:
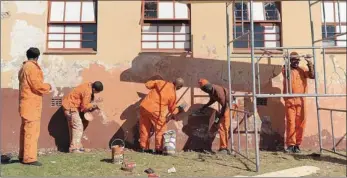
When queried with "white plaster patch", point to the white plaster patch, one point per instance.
{"points": [[23, 36], [31, 7], [292, 172]]}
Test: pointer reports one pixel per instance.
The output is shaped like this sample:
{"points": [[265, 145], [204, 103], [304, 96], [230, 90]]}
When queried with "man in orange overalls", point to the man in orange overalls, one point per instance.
{"points": [[153, 111], [295, 110], [221, 95], [77, 102], [31, 90]]}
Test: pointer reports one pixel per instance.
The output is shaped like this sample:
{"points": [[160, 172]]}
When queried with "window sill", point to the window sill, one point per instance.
{"points": [[336, 51], [165, 51], [248, 51], [70, 52]]}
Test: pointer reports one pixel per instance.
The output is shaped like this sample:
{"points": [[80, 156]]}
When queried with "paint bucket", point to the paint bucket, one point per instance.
{"points": [[169, 142], [117, 151]]}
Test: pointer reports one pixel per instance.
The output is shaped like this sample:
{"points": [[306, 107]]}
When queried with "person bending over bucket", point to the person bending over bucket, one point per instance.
{"points": [[77, 102], [153, 109], [221, 95]]}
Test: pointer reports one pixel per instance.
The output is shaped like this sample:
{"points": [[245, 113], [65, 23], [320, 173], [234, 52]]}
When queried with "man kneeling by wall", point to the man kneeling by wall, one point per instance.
{"points": [[76, 102]]}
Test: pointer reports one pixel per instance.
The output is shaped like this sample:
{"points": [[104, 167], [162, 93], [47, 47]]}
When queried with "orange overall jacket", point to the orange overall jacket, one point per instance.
{"points": [[79, 99], [31, 89]]}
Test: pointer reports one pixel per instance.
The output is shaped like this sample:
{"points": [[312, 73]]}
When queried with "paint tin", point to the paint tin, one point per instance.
{"points": [[117, 154], [128, 167]]}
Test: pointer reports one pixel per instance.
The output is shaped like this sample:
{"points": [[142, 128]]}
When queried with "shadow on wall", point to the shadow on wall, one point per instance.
{"points": [[59, 130], [169, 67]]}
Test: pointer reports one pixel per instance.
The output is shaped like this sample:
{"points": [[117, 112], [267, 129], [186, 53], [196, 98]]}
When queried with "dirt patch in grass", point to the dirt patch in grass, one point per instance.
{"points": [[195, 164]]}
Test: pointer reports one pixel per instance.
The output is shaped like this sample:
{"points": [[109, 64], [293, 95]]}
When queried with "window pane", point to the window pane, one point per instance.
{"points": [[73, 44], [72, 37], [166, 45], [182, 29], [329, 11], [149, 37], [89, 36], [72, 29], [241, 42], [165, 10], [57, 11], [88, 11], [149, 45], [73, 11], [182, 45], [165, 37], [151, 10], [55, 44], [342, 11], [271, 11], [56, 28], [258, 11], [238, 11], [182, 37], [181, 10], [56, 37], [166, 29], [149, 29], [341, 40]]}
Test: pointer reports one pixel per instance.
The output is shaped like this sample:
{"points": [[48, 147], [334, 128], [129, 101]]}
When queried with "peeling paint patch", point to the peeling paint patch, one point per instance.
{"points": [[31, 7]]}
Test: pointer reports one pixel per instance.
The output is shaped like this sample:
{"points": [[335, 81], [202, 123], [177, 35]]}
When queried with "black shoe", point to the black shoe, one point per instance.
{"points": [[146, 151], [20, 160], [290, 149], [224, 151], [36, 163], [297, 149], [158, 152]]}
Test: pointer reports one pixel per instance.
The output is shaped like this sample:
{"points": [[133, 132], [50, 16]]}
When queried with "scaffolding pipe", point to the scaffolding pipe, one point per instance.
{"points": [[326, 36], [286, 72], [237, 38], [339, 15], [254, 89], [242, 17], [332, 130], [334, 36], [300, 47], [229, 78], [315, 78], [290, 74], [336, 110], [275, 57], [246, 130], [289, 95]]}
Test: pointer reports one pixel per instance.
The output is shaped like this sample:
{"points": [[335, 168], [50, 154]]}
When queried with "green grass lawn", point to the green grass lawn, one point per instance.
{"points": [[186, 163]]}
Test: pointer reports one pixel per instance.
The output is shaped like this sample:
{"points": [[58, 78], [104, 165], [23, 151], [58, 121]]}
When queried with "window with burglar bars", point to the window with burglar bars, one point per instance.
{"points": [[165, 26], [333, 22], [72, 25], [267, 24]]}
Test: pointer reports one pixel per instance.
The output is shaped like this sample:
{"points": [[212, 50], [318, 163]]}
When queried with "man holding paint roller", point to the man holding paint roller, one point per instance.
{"points": [[76, 102], [221, 95], [295, 110], [153, 109]]}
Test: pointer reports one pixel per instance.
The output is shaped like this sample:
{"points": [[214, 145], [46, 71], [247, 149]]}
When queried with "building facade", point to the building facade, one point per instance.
{"points": [[124, 43]]}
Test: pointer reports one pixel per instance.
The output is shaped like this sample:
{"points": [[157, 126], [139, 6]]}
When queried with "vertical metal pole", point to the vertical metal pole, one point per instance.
{"points": [[290, 74], [316, 78], [229, 79], [254, 89], [242, 17], [325, 36], [286, 72], [339, 15], [234, 21], [332, 130], [246, 129], [238, 133], [258, 75]]}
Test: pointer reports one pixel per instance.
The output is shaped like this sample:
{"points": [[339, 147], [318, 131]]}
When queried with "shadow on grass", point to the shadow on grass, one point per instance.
{"points": [[106, 160], [319, 157]]}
